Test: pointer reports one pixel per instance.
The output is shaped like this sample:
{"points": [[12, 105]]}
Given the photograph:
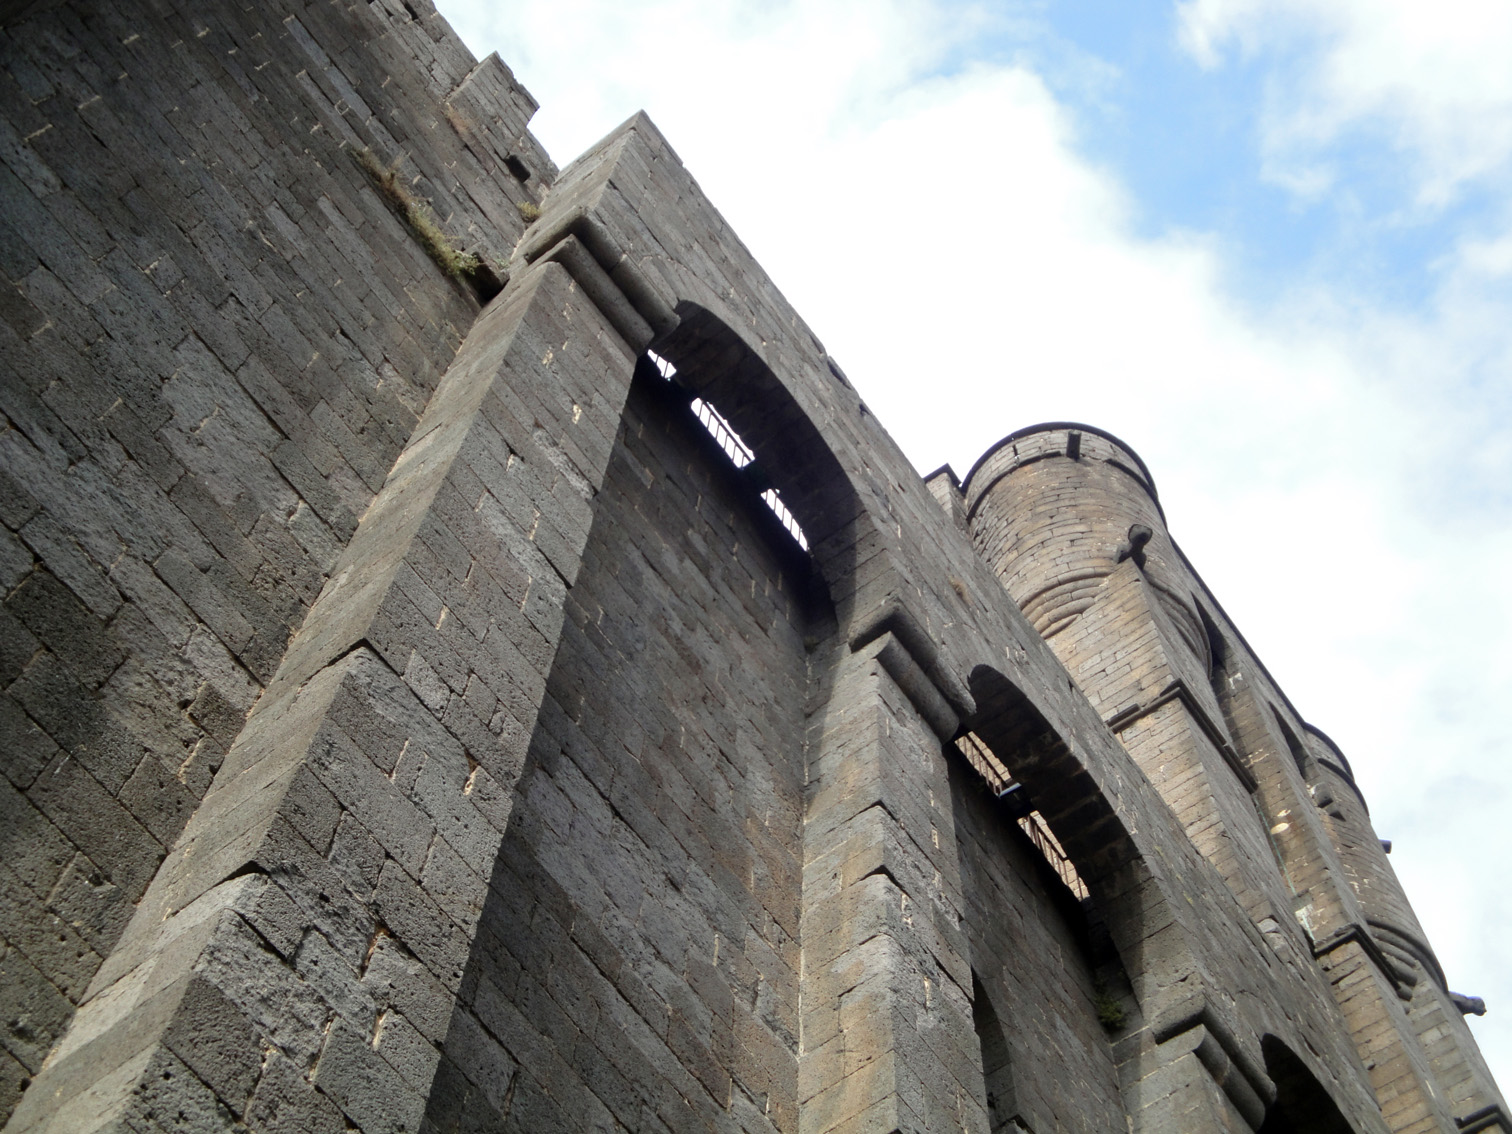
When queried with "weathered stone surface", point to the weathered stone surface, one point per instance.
{"points": [[412, 717]]}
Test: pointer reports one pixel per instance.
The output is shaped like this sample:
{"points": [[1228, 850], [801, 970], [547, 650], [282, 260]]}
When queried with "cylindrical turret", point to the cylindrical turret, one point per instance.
{"points": [[1068, 518], [1051, 508], [1458, 1069], [1381, 897]]}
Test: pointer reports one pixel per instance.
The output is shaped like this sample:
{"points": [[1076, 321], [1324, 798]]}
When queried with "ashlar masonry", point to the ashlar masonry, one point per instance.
{"points": [[470, 661]]}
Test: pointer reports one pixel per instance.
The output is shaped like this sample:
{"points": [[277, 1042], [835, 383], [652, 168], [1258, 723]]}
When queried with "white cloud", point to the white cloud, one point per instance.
{"points": [[1431, 79], [1333, 469]]}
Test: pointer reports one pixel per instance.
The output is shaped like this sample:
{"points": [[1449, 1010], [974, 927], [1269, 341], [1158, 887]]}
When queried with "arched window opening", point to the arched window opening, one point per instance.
{"points": [[1318, 785], [1011, 794], [1223, 671], [1299, 753], [741, 455], [1301, 1106], [1130, 908], [1217, 648], [997, 1066]]}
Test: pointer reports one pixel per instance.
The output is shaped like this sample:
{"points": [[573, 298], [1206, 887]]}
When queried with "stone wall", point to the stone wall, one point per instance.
{"points": [[414, 720], [217, 337], [1057, 510], [1032, 950], [637, 957]]}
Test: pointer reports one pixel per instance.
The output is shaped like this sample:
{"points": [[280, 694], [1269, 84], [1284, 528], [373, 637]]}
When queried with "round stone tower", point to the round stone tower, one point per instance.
{"points": [[1055, 508], [1382, 899]]}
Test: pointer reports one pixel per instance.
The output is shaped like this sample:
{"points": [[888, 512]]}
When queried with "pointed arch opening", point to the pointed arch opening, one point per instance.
{"points": [[1126, 906], [1302, 1105], [997, 1062], [741, 455], [750, 410]]}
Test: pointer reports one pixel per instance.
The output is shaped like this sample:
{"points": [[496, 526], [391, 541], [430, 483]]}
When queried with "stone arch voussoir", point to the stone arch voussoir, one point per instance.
{"points": [[1125, 883], [715, 362]]}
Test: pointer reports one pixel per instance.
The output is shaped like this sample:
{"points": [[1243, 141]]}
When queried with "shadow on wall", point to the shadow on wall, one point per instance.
{"points": [[634, 962], [714, 363], [1084, 822], [997, 1068]]}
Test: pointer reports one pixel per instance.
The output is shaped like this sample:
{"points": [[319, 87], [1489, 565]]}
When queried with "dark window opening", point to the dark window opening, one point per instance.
{"points": [[1299, 753], [997, 1066], [1217, 647], [1302, 1105], [1317, 784]]}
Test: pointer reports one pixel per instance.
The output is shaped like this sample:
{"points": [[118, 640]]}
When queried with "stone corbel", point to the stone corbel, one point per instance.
{"points": [[597, 286], [1246, 1086], [1402, 981], [1486, 1118], [575, 237], [921, 690], [913, 660]]}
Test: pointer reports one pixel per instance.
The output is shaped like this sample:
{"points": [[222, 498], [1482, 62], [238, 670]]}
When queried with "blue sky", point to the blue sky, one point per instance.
{"points": [[1182, 139], [1188, 142], [1267, 242]]}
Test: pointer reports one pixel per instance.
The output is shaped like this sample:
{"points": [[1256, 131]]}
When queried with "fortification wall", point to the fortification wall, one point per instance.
{"points": [[453, 866], [1058, 511], [217, 337], [638, 951], [1033, 954]]}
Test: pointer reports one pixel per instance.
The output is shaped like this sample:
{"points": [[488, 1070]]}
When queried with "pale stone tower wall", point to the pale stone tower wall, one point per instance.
{"points": [[1052, 509]]}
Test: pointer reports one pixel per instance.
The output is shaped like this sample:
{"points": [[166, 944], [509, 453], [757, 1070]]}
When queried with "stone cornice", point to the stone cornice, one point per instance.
{"points": [[1177, 690]]}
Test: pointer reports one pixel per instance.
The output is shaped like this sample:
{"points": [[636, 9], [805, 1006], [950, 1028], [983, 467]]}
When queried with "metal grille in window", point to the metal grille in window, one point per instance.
{"points": [[1033, 824], [736, 449]]}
